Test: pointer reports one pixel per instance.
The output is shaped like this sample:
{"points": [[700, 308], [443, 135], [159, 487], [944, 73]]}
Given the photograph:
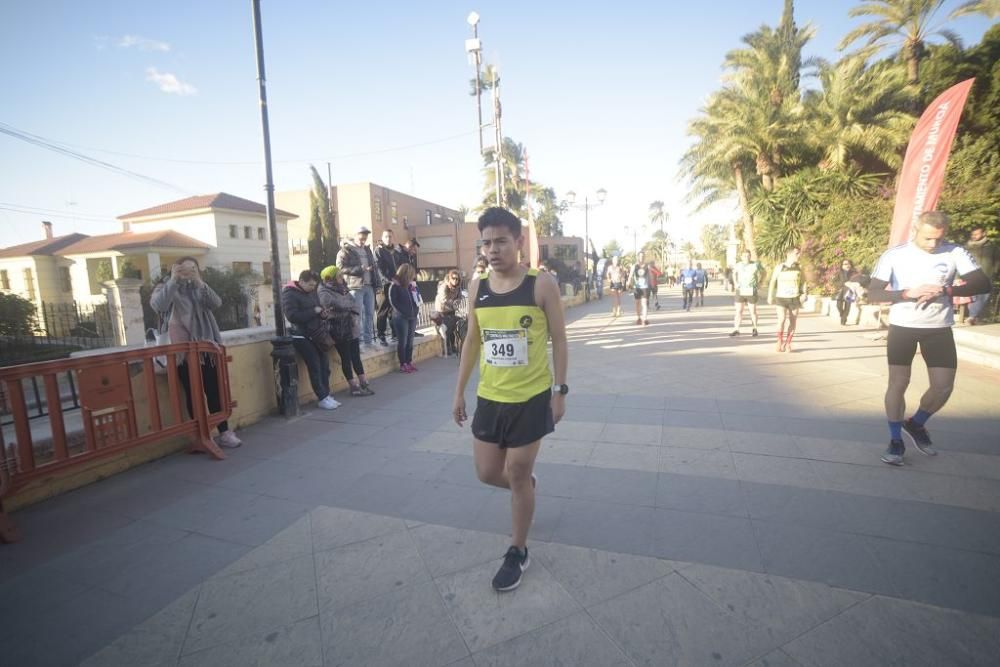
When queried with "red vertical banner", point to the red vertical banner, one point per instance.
{"points": [[922, 175]]}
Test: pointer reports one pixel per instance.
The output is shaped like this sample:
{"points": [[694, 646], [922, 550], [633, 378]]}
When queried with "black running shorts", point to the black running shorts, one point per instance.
{"points": [[513, 424], [751, 298], [790, 304], [641, 293], [937, 346]]}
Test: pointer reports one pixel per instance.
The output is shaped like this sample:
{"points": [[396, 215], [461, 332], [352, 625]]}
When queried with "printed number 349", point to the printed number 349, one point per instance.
{"points": [[503, 349]]}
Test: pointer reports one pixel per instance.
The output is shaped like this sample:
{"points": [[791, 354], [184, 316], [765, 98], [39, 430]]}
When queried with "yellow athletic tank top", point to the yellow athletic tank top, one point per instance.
{"points": [[514, 359]]}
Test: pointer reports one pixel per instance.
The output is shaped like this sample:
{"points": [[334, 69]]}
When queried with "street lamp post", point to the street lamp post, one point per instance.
{"points": [[586, 206], [635, 237], [475, 50], [283, 353], [474, 47]]}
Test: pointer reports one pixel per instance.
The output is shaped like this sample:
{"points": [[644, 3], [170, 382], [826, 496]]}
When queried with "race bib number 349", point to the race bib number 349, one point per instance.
{"points": [[505, 347]]}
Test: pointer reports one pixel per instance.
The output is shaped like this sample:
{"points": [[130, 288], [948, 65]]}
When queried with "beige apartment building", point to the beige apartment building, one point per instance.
{"points": [[446, 241]]}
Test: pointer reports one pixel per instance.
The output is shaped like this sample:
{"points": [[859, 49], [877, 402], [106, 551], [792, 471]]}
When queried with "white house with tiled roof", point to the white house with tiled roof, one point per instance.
{"points": [[35, 271], [220, 230], [234, 230]]}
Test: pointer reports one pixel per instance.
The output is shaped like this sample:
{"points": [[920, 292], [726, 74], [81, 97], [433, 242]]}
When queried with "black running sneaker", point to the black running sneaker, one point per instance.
{"points": [[920, 438], [735, 332], [754, 334], [508, 577], [894, 455]]}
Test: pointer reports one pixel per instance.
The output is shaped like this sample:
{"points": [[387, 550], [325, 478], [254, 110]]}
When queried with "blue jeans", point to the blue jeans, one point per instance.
{"points": [[978, 304], [404, 328], [364, 297]]}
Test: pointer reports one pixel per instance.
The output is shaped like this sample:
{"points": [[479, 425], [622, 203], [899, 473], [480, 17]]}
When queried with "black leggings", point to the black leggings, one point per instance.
{"points": [[210, 381], [350, 355]]}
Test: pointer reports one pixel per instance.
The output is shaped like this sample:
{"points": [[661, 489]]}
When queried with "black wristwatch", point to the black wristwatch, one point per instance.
{"points": [[560, 389]]}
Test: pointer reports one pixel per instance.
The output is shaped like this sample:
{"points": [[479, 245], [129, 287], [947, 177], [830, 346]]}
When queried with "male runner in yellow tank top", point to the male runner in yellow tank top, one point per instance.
{"points": [[513, 312]]}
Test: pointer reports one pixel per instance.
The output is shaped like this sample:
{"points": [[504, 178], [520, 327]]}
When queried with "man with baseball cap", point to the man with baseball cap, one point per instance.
{"points": [[357, 263]]}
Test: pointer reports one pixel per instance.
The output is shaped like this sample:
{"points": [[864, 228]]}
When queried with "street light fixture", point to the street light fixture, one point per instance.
{"points": [[586, 206], [474, 47]]}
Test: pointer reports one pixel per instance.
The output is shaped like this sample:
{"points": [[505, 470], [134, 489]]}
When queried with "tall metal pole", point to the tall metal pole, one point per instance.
{"points": [[586, 246], [282, 352], [479, 88], [498, 153]]}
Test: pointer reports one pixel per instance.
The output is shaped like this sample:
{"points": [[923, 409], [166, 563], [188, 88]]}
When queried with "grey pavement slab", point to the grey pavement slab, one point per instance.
{"points": [[360, 571], [604, 525], [298, 644], [156, 642], [451, 504], [241, 605], [446, 550], [705, 538], [593, 575], [409, 626], [576, 640], [671, 622], [333, 527], [485, 618], [883, 631]]}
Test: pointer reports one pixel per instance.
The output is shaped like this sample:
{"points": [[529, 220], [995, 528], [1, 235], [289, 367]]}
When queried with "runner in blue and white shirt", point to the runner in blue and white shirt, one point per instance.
{"points": [[918, 279]]}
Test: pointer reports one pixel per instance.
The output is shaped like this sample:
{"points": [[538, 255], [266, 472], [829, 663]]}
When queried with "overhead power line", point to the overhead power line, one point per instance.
{"points": [[47, 144], [236, 163], [55, 213]]}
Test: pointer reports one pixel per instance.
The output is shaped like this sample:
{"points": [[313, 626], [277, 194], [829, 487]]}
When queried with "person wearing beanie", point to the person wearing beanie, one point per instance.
{"points": [[345, 328]]}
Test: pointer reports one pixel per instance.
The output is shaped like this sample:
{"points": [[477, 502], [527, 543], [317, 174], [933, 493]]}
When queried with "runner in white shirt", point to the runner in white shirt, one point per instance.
{"points": [[917, 278]]}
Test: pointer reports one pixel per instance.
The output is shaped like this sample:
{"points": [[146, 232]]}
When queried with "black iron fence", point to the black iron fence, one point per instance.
{"points": [[59, 329]]}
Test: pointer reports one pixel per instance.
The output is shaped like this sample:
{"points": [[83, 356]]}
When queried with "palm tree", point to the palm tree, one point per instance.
{"points": [[907, 24], [515, 185], [989, 8], [718, 167], [657, 216], [755, 124], [857, 116]]}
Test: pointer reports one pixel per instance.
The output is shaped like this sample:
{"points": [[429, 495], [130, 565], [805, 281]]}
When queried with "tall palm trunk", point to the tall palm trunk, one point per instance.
{"points": [[741, 193], [911, 54]]}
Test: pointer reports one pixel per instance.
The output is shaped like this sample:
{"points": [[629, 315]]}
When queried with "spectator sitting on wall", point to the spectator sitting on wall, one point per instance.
{"points": [[446, 305], [185, 304], [311, 333], [345, 328]]}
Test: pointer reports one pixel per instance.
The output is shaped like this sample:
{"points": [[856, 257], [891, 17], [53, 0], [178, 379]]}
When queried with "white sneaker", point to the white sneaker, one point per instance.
{"points": [[329, 403], [229, 440]]}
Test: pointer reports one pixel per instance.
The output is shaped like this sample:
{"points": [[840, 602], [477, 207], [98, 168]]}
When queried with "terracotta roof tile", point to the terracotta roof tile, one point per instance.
{"points": [[129, 240], [44, 247], [218, 200]]}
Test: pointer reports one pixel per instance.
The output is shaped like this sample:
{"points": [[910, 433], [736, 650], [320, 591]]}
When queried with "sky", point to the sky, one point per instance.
{"points": [[599, 93]]}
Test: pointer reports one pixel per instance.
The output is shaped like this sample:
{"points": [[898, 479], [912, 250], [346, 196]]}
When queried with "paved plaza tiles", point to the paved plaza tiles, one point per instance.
{"points": [[706, 501]]}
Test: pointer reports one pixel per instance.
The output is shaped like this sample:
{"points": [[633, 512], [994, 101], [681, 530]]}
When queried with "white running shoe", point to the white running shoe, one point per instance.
{"points": [[329, 403], [229, 440]]}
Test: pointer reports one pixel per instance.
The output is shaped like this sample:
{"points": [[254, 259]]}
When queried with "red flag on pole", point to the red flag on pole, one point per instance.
{"points": [[922, 175]]}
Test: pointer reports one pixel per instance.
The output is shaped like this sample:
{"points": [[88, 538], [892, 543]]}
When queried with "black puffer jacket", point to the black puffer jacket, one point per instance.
{"points": [[299, 307]]}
